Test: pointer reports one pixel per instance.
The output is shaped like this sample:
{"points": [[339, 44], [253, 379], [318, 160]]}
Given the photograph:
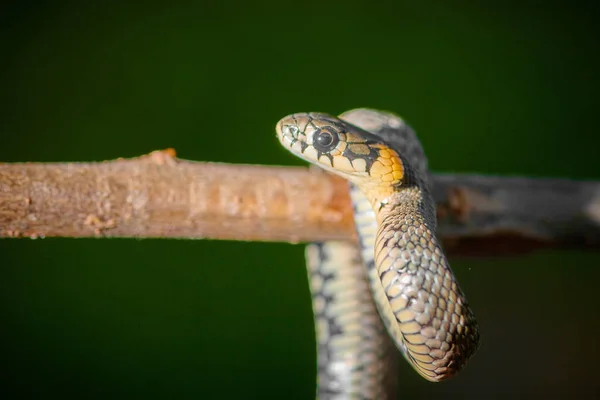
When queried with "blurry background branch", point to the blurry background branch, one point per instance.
{"points": [[158, 195]]}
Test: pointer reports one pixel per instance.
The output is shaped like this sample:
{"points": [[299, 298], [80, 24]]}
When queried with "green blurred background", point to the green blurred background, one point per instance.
{"points": [[509, 89]]}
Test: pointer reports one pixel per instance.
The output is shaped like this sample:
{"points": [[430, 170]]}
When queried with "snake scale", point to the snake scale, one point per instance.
{"points": [[397, 284]]}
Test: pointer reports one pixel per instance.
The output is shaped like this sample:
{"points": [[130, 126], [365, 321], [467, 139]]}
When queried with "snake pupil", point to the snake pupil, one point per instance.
{"points": [[324, 140]]}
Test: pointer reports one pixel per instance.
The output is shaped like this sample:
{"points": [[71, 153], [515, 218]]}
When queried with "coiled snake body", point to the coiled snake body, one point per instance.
{"points": [[411, 284]]}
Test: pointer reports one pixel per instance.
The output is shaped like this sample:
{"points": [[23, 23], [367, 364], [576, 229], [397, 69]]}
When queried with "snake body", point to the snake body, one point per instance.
{"points": [[355, 357], [422, 307]]}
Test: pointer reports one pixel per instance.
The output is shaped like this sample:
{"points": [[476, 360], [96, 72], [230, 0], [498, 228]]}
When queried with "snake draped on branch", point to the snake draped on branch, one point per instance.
{"points": [[397, 285]]}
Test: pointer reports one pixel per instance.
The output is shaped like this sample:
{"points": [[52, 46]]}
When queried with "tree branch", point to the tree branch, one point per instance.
{"points": [[158, 195]]}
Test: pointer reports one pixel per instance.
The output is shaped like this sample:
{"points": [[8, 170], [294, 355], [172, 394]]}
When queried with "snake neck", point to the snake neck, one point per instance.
{"points": [[414, 202]]}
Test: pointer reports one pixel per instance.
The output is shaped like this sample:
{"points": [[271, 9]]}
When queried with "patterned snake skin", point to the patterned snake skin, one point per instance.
{"points": [[355, 357], [422, 307]]}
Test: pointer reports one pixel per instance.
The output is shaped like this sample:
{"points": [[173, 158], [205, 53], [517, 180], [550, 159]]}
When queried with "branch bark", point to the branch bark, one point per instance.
{"points": [[160, 196]]}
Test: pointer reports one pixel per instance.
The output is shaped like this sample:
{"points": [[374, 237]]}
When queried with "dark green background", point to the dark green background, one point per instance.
{"points": [[509, 89]]}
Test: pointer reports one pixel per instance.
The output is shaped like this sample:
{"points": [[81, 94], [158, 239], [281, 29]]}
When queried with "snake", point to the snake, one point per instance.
{"points": [[395, 288]]}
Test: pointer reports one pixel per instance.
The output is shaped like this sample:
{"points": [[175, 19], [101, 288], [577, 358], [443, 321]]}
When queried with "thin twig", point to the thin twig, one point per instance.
{"points": [[158, 195]]}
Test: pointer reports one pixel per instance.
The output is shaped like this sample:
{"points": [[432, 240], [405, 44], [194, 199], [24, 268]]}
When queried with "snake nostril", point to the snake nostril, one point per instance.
{"points": [[291, 130]]}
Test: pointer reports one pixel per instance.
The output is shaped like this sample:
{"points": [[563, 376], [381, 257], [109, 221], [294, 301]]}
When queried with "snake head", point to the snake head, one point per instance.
{"points": [[342, 148]]}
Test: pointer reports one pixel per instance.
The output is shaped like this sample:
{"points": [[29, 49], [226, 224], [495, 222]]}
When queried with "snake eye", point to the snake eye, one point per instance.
{"points": [[325, 140]]}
